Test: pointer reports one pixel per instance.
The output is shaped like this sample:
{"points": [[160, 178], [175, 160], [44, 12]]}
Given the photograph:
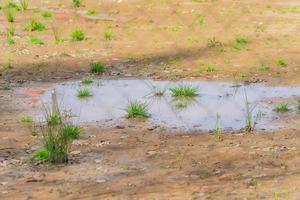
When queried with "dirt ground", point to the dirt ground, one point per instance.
{"points": [[169, 39]]}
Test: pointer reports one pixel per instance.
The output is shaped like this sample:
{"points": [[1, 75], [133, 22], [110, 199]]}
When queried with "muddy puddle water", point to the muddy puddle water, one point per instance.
{"points": [[227, 100]]}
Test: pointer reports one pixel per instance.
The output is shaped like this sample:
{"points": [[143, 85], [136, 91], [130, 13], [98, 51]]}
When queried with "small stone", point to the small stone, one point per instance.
{"points": [[100, 181]]}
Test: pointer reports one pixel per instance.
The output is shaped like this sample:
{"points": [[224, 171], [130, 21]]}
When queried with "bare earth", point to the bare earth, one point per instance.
{"points": [[157, 40]]}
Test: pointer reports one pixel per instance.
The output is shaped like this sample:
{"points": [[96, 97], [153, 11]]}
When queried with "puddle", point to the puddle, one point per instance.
{"points": [[227, 100]]}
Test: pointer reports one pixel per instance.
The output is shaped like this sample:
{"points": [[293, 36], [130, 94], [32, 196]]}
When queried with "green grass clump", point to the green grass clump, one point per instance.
{"points": [[35, 40], [35, 25], [282, 107], [71, 131], [26, 119], [211, 68], [97, 67], [10, 32], [184, 91], [54, 119], [107, 35], [13, 5], [240, 43], [87, 81], [78, 35], [9, 14], [5, 86], [84, 93], [281, 62], [24, 4], [76, 3], [40, 155], [47, 14], [92, 12], [136, 109]]}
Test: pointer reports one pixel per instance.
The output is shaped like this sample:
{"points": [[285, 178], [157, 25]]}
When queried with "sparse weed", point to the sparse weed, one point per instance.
{"points": [[298, 105], [107, 35], [97, 67], [211, 68], [179, 104], [24, 4], [35, 40], [92, 12], [9, 14], [71, 131], [158, 91], [184, 91], [47, 14], [252, 182], [200, 19], [282, 107], [78, 35], [264, 68], [56, 35], [87, 81], [281, 62], [240, 43], [136, 109], [35, 25], [26, 119], [84, 93], [10, 32], [13, 5], [54, 119], [218, 130], [76, 3], [5, 86]]}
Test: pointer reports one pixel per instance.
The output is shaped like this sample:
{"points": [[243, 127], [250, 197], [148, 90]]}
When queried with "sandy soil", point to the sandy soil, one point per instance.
{"points": [[159, 40]]}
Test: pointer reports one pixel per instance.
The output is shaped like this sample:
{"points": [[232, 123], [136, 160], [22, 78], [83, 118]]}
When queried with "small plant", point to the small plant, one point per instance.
{"points": [[24, 4], [107, 35], [47, 14], [92, 12], [281, 62], [56, 35], [9, 14], [218, 130], [10, 32], [35, 25], [84, 93], [13, 5], [158, 91], [35, 40], [97, 67], [87, 81], [240, 43], [78, 35], [136, 109], [282, 107], [26, 119], [76, 3], [184, 91], [200, 19], [211, 68], [71, 131], [264, 68], [57, 137]]}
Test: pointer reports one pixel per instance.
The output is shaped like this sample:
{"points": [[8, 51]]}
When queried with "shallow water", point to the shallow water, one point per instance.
{"points": [[227, 100]]}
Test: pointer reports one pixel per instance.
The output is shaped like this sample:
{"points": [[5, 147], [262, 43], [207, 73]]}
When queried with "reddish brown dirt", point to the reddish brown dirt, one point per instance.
{"points": [[160, 40]]}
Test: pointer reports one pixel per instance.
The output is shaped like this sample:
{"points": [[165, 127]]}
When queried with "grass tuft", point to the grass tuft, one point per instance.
{"points": [[107, 35], [78, 35], [35, 40], [281, 62], [87, 81], [24, 4], [84, 93], [71, 131], [35, 25], [47, 14], [184, 91], [282, 107], [76, 3], [9, 14], [136, 109], [97, 67], [26, 119]]}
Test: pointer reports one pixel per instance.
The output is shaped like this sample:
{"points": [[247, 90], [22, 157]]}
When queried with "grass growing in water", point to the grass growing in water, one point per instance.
{"points": [[97, 68], [84, 93], [282, 107], [184, 91], [87, 81], [78, 35], [218, 130], [136, 109], [57, 137], [35, 25]]}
